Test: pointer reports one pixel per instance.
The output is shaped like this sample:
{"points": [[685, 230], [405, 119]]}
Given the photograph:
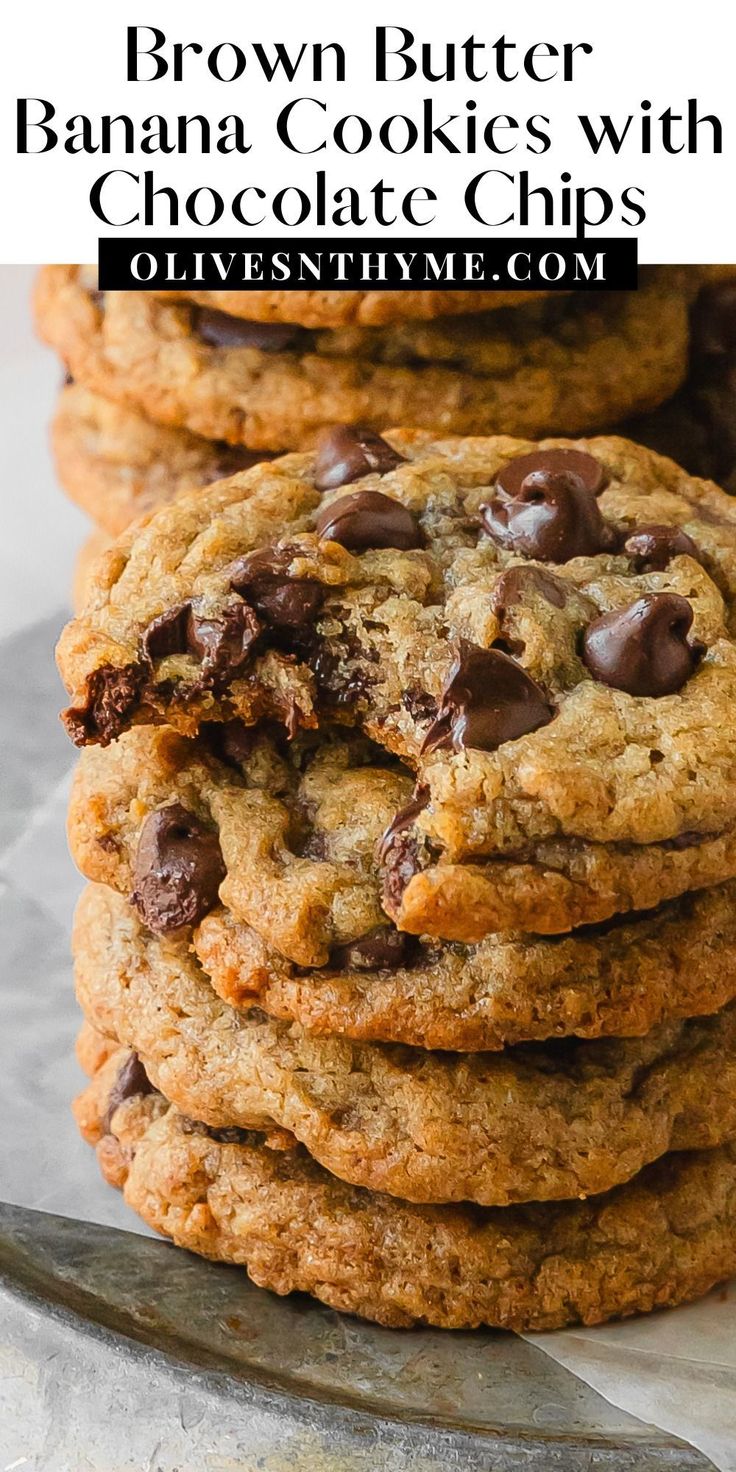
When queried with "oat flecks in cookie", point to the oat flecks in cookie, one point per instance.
{"points": [[662, 1239]]}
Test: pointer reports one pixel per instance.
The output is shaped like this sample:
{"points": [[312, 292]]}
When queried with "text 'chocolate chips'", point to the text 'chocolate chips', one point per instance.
{"points": [[487, 699], [381, 949], [283, 602], [368, 519], [132, 1082], [178, 870], [219, 330], [653, 547], [348, 452], [643, 649], [545, 506]]}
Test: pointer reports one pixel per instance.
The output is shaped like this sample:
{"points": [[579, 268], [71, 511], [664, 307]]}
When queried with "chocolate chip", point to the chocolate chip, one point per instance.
{"points": [[232, 741], [550, 510], [282, 601], [688, 839], [111, 696], [348, 452], [578, 463], [222, 643], [132, 1081], [368, 519], [420, 704], [178, 870], [404, 819], [714, 321], [230, 1135], [516, 581], [487, 699], [398, 850], [232, 459], [167, 634], [380, 949], [651, 548], [643, 649], [219, 330]]}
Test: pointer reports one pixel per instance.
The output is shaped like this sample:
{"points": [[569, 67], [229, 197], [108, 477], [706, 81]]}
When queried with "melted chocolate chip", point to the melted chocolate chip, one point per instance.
{"points": [[420, 704], [230, 1135], [516, 581], [132, 1081], [219, 330], [111, 697], [222, 644], [379, 950], [688, 839], [643, 649], [282, 601], [368, 519], [231, 459], [545, 507], [651, 548], [577, 463], [404, 819], [178, 870], [232, 741], [336, 681], [487, 699], [347, 453], [167, 634], [398, 850]]}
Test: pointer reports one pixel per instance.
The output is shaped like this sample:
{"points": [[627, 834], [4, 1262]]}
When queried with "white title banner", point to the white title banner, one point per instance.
{"points": [[291, 121]]}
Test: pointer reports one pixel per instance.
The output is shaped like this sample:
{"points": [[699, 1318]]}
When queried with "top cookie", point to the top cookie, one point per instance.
{"points": [[568, 364], [351, 308], [544, 632]]}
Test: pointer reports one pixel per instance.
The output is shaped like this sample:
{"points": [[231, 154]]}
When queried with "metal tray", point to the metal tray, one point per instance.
{"points": [[117, 1352]]}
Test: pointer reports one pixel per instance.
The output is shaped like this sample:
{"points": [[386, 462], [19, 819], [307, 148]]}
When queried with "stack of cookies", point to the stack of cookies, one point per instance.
{"points": [[169, 392], [408, 960]]}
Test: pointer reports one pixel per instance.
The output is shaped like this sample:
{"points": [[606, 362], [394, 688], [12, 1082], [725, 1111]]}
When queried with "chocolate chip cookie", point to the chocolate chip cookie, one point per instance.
{"points": [[298, 825], [544, 633], [373, 308], [118, 466], [422, 1126], [666, 1237], [565, 364]]}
